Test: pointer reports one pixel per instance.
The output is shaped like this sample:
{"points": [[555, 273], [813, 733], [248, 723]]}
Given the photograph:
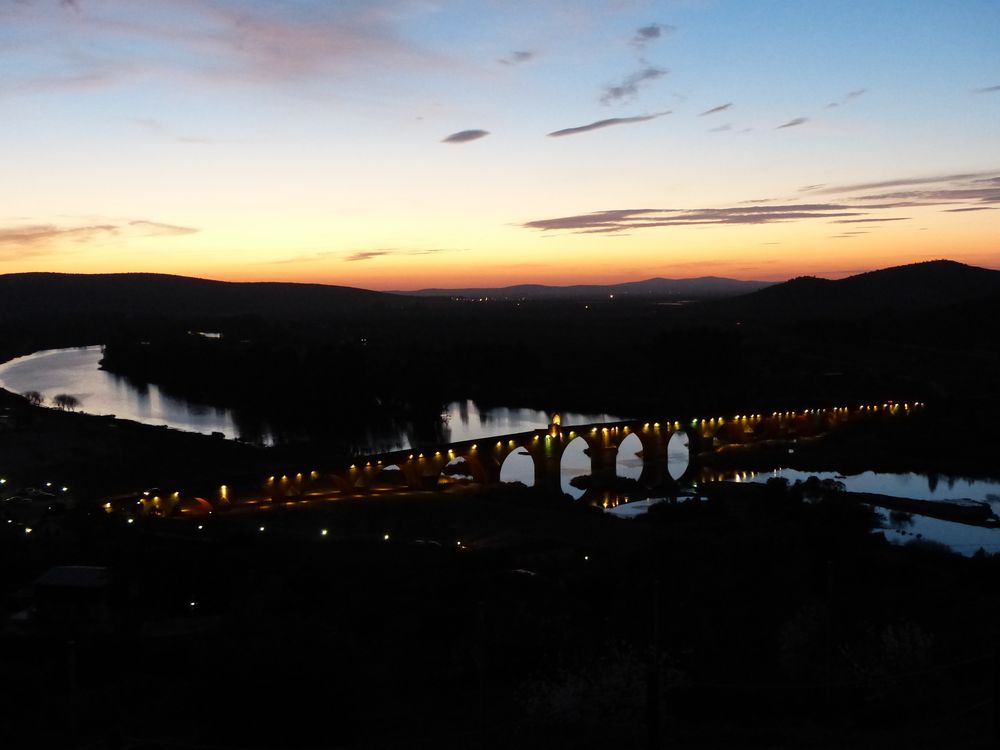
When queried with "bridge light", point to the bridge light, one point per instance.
{"points": [[354, 467], [656, 425], [499, 444], [646, 426], [473, 446]]}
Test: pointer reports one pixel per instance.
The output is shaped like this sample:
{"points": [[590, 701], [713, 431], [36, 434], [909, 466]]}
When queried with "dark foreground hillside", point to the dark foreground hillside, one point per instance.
{"points": [[757, 617]]}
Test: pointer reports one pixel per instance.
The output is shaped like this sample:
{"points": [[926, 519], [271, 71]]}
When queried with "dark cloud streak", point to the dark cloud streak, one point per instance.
{"points": [[465, 136], [611, 122], [714, 110], [628, 89], [794, 122]]}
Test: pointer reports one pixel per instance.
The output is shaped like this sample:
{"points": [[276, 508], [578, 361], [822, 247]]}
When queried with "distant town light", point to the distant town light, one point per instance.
{"points": [[323, 532], [385, 537], [27, 529], [131, 520]]}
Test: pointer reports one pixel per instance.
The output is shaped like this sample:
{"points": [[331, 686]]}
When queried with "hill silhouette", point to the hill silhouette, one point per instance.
{"points": [[909, 288], [702, 287], [36, 296]]}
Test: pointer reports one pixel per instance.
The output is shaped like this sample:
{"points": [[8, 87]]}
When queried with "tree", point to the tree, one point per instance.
{"points": [[33, 397], [66, 402]]}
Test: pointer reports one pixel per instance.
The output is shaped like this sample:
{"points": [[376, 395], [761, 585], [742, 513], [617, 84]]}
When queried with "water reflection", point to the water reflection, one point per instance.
{"points": [[76, 372], [905, 528], [629, 459], [518, 466], [575, 463], [678, 454]]}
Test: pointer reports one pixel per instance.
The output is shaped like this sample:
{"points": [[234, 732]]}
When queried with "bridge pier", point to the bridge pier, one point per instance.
{"points": [[603, 462]]}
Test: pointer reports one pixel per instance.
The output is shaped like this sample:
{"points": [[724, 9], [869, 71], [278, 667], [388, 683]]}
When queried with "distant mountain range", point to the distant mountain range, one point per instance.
{"points": [[77, 297], [703, 287]]}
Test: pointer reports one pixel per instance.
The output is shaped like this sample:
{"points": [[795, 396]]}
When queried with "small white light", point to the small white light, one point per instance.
{"points": [[324, 532], [131, 520], [261, 528], [386, 537]]}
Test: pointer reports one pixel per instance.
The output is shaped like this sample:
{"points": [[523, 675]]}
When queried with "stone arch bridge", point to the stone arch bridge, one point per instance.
{"points": [[484, 458]]}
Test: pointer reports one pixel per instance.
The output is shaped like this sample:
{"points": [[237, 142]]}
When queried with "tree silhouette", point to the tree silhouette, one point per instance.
{"points": [[66, 402], [33, 397]]}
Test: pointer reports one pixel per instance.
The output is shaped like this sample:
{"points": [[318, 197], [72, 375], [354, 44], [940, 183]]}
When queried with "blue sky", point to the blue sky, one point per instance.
{"points": [[310, 140]]}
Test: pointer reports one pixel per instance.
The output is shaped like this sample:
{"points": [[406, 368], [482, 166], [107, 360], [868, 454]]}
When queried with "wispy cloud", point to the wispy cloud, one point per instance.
{"points": [[794, 122], [846, 98], [721, 128], [714, 110], [963, 191], [25, 240], [366, 255], [618, 220], [987, 90], [960, 193], [214, 40], [517, 57], [628, 89], [155, 127], [646, 34], [908, 181], [159, 229], [611, 122], [464, 136], [372, 254], [873, 220]]}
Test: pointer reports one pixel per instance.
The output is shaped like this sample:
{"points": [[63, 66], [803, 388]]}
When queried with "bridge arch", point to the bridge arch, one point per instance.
{"points": [[574, 462], [679, 460], [630, 460], [518, 465]]}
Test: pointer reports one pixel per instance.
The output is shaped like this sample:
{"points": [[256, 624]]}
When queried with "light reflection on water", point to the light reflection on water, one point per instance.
{"points": [[903, 528], [76, 372]]}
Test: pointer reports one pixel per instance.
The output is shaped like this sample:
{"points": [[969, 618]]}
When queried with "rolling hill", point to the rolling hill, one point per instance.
{"points": [[704, 287]]}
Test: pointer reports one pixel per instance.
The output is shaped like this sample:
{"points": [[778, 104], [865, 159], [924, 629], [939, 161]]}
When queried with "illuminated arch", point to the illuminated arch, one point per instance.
{"points": [[518, 465], [629, 462], [679, 461], [574, 462]]}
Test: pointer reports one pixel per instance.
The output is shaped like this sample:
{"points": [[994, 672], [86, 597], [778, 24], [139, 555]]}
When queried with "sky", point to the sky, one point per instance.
{"points": [[403, 144]]}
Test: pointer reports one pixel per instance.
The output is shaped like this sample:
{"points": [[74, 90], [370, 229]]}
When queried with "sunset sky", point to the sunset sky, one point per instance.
{"points": [[399, 144]]}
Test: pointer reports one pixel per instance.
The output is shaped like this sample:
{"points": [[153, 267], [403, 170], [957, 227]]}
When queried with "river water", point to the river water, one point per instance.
{"points": [[76, 372]]}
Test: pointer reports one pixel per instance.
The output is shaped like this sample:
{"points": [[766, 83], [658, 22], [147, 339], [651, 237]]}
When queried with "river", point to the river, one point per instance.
{"points": [[76, 372]]}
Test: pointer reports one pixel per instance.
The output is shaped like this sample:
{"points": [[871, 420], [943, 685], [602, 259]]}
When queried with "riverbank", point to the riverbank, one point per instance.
{"points": [[504, 618], [101, 455]]}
